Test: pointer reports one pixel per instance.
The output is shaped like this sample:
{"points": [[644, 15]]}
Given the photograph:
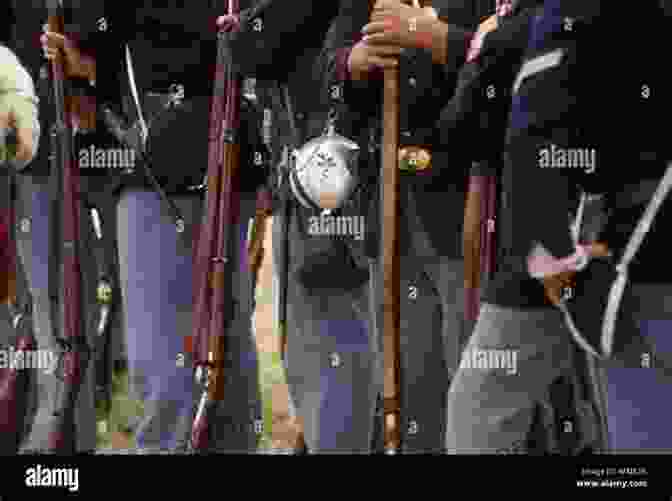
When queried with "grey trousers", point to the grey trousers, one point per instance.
{"points": [[491, 404], [432, 337], [330, 360], [156, 270], [32, 213], [334, 354]]}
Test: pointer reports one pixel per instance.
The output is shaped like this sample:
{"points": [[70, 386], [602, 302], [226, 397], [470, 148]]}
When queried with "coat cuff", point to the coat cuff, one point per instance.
{"points": [[459, 41], [541, 263], [342, 69]]}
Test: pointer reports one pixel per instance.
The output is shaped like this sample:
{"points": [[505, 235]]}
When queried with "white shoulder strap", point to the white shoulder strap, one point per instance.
{"points": [[134, 91]]}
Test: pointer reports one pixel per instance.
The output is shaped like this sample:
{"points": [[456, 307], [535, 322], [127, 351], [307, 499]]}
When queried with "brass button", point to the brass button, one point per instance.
{"points": [[414, 158]]}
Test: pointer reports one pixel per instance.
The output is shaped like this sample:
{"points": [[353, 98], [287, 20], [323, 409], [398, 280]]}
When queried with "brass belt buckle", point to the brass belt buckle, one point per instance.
{"points": [[414, 159]]}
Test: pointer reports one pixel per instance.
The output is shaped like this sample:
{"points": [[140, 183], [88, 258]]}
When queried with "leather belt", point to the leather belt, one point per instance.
{"points": [[413, 159]]}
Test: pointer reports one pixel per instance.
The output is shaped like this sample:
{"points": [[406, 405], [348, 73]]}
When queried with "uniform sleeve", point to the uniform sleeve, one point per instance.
{"points": [[7, 21], [539, 119], [360, 99], [266, 47], [462, 19], [459, 41], [106, 44]]}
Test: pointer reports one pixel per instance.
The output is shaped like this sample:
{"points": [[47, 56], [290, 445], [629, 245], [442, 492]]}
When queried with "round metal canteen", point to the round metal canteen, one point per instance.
{"points": [[323, 175]]}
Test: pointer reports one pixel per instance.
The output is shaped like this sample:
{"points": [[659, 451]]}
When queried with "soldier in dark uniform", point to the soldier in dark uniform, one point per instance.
{"points": [[170, 61], [327, 344], [434, 46], [35, 230], [552, 105], [480, 109]]}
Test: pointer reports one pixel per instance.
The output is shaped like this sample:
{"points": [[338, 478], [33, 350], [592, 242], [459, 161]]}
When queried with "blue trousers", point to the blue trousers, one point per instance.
{"points": [[33, 240], [156, 280], [334, 353], [638, 388]]}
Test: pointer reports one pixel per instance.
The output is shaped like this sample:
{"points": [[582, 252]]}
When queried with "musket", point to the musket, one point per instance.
{"points": [[478, 239], [471, 247], [390, 199], [75, 350], [213, 302], [479, 244]]}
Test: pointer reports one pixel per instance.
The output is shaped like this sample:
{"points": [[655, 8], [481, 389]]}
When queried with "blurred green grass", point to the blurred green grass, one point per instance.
{"points": [[124, 410], [271, 373]]}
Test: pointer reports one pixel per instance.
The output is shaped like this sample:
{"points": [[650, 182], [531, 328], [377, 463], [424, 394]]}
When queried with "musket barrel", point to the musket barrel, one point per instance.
{"points": [[213, 303], [76, 352]]}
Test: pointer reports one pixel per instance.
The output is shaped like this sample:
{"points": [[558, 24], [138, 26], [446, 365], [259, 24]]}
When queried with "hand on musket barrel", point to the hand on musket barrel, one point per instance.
{"points": [[77, 64], [213, 306]]}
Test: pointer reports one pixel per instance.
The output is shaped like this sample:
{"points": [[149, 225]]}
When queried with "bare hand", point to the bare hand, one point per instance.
{"points": [[556, 284], [490, 24], [365, 57], [394, 23], [394, 9], [77, 65]]}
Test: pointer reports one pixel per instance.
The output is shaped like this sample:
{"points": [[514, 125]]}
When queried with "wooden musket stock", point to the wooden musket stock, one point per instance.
{"points": [[471, 247], [213, 303], [390, 260], [76, 353]]}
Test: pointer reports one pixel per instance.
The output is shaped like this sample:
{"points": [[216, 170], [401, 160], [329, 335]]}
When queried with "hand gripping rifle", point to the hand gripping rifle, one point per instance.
{"points": [[213, 304], [75, 350]]}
